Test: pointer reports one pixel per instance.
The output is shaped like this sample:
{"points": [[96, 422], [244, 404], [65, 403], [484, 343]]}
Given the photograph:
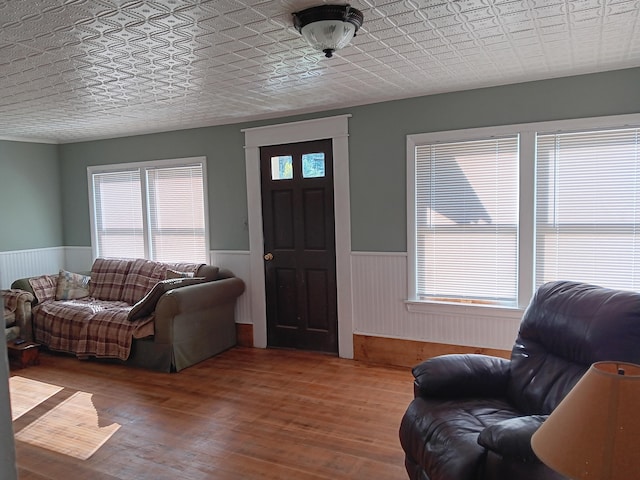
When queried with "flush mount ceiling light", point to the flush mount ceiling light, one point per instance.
{"points": [[328, 27]]}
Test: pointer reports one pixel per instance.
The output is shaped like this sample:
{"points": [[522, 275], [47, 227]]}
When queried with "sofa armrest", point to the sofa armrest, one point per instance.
{"points": [[512, 438], [19, 302], [23, 284], [462, 375], [189, 303]]}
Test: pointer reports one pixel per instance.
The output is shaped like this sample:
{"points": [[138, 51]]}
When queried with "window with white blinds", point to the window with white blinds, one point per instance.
{"points": [[154, 210], [176, 220], [466, 221], [495, 212], [118, 215], [588, 207]]}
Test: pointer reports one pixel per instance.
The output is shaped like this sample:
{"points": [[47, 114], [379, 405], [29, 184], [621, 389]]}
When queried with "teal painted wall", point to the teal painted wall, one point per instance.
{"points": [[223, 147], [377, 138], [31, 214]]}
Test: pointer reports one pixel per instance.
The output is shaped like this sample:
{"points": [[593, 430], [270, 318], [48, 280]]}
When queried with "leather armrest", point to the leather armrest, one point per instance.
{"points": [[462, 375], [512, 438]]}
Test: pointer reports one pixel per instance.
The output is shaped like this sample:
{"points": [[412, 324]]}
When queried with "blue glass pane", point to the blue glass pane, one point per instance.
{"points": [[313, 165], [282, 168]]}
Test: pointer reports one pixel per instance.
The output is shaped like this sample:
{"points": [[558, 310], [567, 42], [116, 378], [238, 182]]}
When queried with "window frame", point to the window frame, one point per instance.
{"points": [[142, 167], [527, 202], [555, 228]]}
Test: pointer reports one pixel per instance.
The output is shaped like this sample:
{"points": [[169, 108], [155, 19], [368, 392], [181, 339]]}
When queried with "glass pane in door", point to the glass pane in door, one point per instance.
{"points": [[282, 167], [313, 165]]}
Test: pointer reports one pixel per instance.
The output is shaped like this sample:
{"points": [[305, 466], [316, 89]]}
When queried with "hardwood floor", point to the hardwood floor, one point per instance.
{"points": [[247, 413]]}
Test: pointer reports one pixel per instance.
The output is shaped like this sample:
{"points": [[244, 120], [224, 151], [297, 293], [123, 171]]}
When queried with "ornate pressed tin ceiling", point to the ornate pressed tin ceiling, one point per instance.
{"points": [[73, 70]]}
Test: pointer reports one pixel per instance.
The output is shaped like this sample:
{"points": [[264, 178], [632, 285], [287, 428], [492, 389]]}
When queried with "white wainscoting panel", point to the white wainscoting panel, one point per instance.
{"points": [[380, 309], [28, 263], [238, 262], [379, 296]]}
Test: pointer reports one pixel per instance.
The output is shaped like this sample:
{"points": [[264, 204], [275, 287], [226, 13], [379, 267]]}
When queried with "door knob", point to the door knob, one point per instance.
{"points": [[268, 257]]}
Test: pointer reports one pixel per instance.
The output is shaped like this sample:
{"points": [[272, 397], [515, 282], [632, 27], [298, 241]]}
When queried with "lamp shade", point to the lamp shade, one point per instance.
{"points": [[594, 433], [328, 28]]}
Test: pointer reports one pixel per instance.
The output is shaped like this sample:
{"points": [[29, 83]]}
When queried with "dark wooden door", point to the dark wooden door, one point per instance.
{"points": [[299, 245]]}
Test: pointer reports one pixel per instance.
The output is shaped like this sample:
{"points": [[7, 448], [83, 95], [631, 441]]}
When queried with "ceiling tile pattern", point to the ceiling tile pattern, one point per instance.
{"points": [[73, 70]]}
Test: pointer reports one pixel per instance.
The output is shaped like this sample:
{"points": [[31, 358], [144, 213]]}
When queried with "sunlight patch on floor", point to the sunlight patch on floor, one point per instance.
{"points": [[70, 428], [27, 394]]}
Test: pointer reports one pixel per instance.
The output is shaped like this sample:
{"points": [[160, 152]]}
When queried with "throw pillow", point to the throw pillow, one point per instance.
{"points": [[147, 305], [44, 287], [72, 285]]}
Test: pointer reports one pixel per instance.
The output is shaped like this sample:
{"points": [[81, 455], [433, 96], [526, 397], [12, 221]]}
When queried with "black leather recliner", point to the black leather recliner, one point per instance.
{"points": [[473, 415]]}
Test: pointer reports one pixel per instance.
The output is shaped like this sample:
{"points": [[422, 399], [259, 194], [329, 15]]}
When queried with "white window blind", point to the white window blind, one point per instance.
{"points": [[588, 208], [176, 213], [155, 211], [118, 221], [467, 221]]}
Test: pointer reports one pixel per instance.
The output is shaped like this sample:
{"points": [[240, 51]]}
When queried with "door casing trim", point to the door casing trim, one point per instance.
{"points": [[337, 129]]}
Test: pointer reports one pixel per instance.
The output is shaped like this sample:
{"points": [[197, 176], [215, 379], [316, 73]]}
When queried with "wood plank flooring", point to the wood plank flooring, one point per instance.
{"points": [[247, 413]]}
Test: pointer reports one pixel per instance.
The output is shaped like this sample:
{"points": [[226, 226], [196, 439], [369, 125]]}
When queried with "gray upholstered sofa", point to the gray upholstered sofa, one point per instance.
{"points": [[150, 314]]}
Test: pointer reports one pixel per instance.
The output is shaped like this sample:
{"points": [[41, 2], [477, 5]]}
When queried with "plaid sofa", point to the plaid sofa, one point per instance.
{"points": [[164, 316]]}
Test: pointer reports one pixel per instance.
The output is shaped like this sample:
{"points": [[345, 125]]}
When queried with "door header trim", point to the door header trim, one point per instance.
{"points": [[295, 132]]}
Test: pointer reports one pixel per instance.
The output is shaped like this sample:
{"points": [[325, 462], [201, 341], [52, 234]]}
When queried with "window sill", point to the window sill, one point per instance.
{"points": [[445, 308]]}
